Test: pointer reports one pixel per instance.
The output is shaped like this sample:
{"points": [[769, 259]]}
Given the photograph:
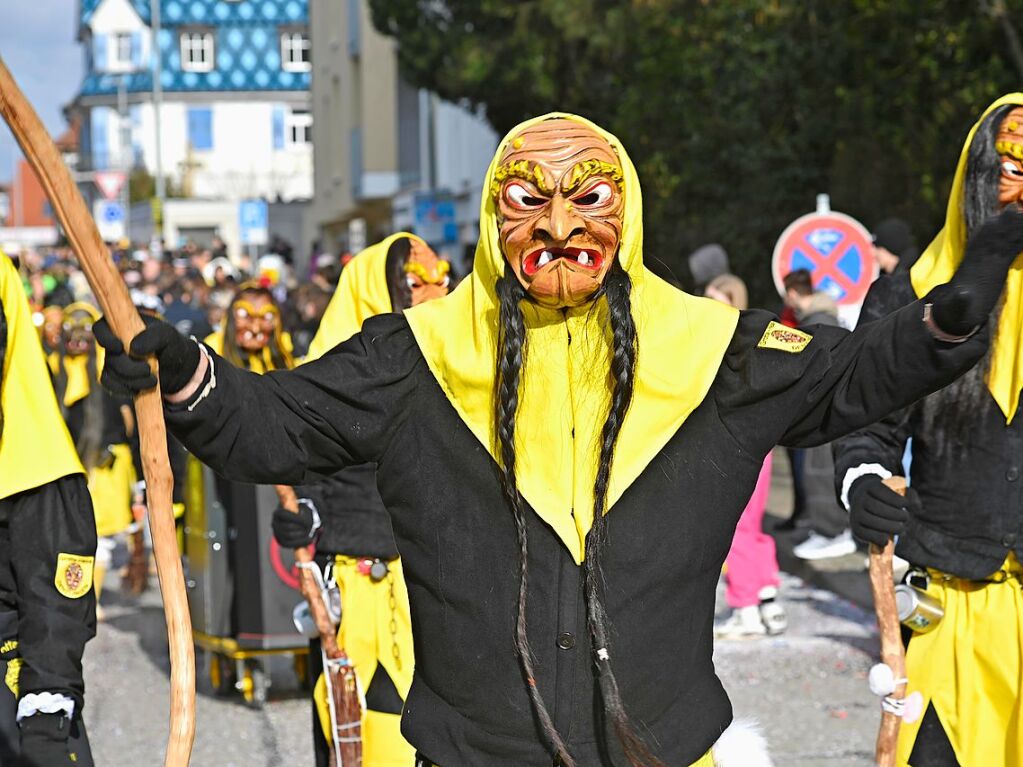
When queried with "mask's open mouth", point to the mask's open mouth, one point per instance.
{"points": [[538, 259], [257, 338]]}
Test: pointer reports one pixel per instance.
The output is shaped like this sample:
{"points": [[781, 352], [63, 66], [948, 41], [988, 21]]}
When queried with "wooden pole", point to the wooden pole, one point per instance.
{"points": [[893, 654], [115, 301], [342, 685]]}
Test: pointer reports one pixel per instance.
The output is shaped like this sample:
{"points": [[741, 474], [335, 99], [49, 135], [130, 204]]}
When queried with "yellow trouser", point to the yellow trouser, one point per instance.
{"points": [[110, 489], [376, 629], [969, 667]]}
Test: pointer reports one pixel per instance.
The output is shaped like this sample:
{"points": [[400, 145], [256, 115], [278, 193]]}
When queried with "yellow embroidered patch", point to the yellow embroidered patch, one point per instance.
{"points": [[783, 338], [13, 674], [73, 578]]}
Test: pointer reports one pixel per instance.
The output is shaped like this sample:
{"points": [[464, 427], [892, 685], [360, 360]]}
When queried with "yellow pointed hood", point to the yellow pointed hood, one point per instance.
{"points": [[361, 293], [564, 389], [35, 447], [940, 261]]}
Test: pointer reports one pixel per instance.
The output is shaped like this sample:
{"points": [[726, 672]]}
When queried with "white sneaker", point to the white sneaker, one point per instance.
{"points": [[819, 547], [743, 623], [772, 614]]}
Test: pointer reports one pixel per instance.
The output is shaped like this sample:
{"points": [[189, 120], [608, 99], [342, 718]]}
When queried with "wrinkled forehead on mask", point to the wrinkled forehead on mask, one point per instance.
{"points": [[557, 156]]}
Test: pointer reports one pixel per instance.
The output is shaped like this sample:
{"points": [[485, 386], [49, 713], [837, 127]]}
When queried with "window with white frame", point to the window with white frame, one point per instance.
{"points": [[123, 49], [298, 127], [197, 51], [296, 51]]}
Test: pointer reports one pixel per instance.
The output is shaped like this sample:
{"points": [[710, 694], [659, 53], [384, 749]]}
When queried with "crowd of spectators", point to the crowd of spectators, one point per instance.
{"points": [[190, 287]]}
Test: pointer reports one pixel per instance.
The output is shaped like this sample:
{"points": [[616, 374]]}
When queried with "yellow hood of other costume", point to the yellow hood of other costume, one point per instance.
{"points": [[35, 447], [361, 293], [940, 261], [564, 387]]}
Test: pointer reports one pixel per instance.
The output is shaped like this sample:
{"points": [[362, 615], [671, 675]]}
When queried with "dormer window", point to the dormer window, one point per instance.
{"points": [[123, 49], [198, 52], [296, 50]]}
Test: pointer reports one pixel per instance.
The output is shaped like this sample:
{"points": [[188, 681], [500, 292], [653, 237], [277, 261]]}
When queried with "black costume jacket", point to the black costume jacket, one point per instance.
{"points": [[354, 519], [374, 398], [971, 494]]}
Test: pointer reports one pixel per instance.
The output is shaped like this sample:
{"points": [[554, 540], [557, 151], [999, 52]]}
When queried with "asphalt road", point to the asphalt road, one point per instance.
{"points": [[807, 689]]}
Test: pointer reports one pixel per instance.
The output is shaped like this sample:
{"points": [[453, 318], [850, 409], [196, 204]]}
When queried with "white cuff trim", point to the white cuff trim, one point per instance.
{"points": [[861, 471], [45, 703], [211, 384], [317, 522]]}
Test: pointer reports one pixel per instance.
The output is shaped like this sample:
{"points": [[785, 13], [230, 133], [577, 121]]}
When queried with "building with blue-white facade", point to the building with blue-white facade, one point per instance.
{"points": [[235, 120]]}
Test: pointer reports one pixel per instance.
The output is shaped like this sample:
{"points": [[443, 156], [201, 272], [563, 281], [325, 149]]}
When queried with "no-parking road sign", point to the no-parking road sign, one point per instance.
{"points": [[837, 251]]}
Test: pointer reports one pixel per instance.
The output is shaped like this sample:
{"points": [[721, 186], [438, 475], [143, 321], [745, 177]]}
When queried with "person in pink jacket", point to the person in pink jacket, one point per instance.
{"points": [[751, 568]]}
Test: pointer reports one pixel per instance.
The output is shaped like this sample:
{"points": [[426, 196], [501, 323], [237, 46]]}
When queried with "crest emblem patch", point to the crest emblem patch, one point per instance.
{"points": [[73, 578], [784, 338]]}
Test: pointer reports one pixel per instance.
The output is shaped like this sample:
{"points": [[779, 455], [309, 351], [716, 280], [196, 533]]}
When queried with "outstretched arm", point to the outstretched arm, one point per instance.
{"points": [[808, 394], [285, 427]]}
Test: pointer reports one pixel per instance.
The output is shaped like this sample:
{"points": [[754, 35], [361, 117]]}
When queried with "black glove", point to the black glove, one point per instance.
{"points": [[966, 301], [294, 531], [125, 375], [876, 512], [44, 741]]}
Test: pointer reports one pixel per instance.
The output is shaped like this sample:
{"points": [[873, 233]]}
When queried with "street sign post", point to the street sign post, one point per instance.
{"points": [[434, 217], [109, 215], [254, 222], [837, 251], [110, 182]]}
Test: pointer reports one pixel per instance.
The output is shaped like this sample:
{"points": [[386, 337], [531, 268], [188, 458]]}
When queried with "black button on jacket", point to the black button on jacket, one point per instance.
{"points": [[373, 398]]}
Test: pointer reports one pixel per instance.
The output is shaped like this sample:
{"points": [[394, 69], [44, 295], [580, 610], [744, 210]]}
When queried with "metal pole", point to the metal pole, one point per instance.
{"points": [[154, 10], [125, 158], [18, 198]]}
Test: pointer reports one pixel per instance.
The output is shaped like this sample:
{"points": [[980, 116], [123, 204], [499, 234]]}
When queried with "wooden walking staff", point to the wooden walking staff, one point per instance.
{"points": [[116, 303], [342, 685], [893, 654]]}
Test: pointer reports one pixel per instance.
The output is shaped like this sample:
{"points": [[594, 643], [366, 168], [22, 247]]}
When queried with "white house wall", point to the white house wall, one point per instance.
{"points": [[242, 162]]}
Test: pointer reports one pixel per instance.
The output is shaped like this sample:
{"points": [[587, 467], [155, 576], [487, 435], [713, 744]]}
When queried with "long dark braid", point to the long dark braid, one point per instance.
{"points": [[510, 355], [617, 290]]}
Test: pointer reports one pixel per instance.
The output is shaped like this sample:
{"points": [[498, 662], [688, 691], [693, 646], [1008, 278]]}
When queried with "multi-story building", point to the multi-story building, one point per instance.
{"points": [[387, 156], [235, 118]]}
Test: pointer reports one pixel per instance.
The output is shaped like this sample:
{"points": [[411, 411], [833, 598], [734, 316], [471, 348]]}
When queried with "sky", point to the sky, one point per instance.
{"points": [[37, 42]]}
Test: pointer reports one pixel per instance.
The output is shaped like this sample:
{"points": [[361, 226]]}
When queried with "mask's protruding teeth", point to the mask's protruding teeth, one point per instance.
{"points": [[545, 258], [584, 258]]}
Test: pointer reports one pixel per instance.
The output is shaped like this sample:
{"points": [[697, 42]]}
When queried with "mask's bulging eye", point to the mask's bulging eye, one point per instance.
{"points": [[410, 281], [242, 314], [268, 317], [519, 197], [595, 196], [1010, 168]]}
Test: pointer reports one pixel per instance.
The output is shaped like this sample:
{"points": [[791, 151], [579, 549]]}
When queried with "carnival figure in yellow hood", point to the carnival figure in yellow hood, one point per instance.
{"points": [[564, 445], [102, 427], [961, 524], [253, 336], [346, 518], [47, 549]]}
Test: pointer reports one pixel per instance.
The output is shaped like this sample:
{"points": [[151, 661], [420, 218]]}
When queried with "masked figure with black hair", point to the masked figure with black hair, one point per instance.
{"points": [[103, 429], [47, 549], [961, 524], [565, 444], [253, 337], [347, 519]]}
